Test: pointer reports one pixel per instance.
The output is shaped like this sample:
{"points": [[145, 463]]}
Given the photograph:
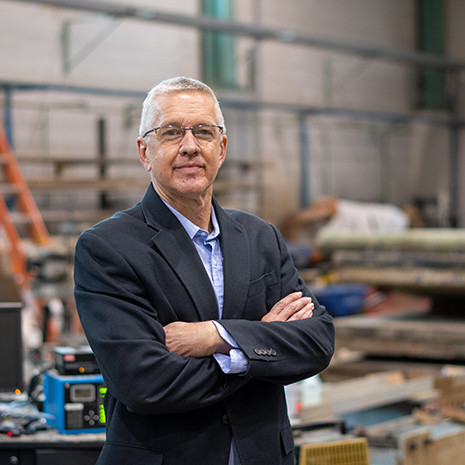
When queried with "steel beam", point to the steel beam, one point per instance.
{"points": [[249, 104], [257, 32]]}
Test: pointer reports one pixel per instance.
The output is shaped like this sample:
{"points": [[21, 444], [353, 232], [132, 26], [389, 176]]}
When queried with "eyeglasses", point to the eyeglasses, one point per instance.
{"points": [[172, 134]]}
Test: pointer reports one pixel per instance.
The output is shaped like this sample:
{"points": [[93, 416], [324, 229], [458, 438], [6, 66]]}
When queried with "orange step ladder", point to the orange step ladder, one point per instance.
{"points": [[14, 189]]}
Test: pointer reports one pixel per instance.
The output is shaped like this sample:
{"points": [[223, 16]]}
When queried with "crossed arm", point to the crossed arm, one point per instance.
{"points": [[201, 339]]}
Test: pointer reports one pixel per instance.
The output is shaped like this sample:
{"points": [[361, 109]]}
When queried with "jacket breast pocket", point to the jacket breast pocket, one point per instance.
{"points": [[258, 286]]}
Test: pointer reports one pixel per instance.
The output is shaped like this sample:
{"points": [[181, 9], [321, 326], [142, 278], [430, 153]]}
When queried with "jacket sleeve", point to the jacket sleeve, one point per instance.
{"points": [[286, 352], [128, 340]]}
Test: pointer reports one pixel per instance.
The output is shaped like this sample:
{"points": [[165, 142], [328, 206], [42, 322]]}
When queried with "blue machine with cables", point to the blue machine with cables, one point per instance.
{"points": [[75, 403]]}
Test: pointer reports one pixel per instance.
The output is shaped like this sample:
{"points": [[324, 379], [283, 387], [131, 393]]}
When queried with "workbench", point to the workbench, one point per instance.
{"points": [[51, 448]]}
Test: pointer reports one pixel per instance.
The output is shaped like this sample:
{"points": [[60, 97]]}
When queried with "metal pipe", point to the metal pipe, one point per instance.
{"points": [[304, 161], [8, 116], [258, 32], [249, 104], [454, 150], [102, 158], [454, 175]]}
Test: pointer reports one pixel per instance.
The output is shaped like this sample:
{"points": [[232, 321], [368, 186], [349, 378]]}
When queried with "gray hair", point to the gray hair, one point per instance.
{"points": [[150, 107]]}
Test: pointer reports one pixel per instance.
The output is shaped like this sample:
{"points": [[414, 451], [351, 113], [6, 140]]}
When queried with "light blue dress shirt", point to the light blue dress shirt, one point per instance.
{"points": [[209, 249]]}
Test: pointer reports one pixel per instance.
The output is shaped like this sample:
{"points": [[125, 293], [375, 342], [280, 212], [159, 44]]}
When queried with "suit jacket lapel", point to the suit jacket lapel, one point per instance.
{"points": [[236, 264], [176, 247]]}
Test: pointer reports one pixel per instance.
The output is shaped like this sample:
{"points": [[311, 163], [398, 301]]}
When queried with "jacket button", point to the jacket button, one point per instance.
{"points": [[225, 419]]}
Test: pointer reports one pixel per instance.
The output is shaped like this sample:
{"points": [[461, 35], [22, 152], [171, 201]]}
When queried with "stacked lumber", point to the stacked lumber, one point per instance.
{"points": [[366, 392], [420, 336], [410, 442], [424, 260], [432, 433]]}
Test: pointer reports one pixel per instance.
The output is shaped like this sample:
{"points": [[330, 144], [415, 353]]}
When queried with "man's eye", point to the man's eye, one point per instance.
{"points": [[204, 132], [170, 132]]}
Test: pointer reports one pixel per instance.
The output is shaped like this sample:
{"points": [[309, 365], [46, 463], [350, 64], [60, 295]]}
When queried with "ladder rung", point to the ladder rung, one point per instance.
{"points": [[26, 214], [9, 189], [20, 218]]}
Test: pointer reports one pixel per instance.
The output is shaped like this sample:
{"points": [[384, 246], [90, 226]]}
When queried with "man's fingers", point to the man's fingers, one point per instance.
{"points": [[285, 302], [291, 307], [295, 307], [290, 298], [306, 312]]}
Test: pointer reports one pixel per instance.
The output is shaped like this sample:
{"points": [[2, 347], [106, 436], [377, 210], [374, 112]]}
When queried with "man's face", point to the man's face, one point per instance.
{"points": [[186, 168]]}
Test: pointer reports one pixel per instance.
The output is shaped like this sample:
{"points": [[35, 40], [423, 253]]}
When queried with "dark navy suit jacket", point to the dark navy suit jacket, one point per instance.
{"points": [[138, 271]]}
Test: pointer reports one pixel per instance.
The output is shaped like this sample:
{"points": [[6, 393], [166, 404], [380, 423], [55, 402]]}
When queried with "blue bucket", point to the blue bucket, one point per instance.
{"points": [[342, 299]]}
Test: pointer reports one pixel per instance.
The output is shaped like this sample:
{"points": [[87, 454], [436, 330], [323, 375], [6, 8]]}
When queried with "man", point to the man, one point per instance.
{"points": [[195, 314]]}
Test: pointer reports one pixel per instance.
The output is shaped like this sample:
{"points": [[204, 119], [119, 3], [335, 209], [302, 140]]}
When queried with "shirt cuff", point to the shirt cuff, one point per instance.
{"points": [[234, 363]]}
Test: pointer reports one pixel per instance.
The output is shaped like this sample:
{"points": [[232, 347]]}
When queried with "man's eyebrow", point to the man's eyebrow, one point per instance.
{"points": [[204, 123]]}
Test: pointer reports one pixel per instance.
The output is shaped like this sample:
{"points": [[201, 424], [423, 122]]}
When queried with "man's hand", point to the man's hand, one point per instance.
{"points": [[196, 339], [290, 308]]}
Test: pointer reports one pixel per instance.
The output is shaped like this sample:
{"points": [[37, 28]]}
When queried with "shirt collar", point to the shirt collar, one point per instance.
{"points": [[191, 229]]}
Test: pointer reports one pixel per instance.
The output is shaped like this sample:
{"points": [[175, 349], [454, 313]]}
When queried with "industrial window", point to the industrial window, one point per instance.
{"points": [[218, 48]]}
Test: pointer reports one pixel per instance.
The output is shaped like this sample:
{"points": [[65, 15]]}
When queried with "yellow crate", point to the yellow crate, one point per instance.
{"points": [[348, 452]]}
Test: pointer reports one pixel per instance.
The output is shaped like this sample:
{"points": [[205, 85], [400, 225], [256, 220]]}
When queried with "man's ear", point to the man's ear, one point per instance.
{"points": [[223, 146], [143, 155]]}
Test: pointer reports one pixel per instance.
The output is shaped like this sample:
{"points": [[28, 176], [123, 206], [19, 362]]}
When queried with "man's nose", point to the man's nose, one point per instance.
{"points": [[189, 144]]}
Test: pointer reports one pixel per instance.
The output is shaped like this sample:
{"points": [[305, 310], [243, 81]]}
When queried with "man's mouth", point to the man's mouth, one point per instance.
{"points": [[188, 168]]}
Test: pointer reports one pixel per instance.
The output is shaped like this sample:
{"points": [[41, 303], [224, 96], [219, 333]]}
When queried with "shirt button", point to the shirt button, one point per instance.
{"points": [[225, 419]]}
